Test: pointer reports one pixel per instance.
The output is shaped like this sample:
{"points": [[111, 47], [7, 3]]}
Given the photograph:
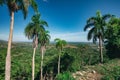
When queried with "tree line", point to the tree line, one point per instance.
{"points": [[105, 28]]}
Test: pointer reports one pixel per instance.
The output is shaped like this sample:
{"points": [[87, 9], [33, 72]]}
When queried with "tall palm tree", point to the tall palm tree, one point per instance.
{"points": [[97, 27], [44, 39], [14, 6], [60, 45], [32, 32]]}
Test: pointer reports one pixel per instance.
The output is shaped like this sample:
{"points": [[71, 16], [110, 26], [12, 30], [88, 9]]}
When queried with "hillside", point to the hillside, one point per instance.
{"points": [[106, 71], [80, 60]]}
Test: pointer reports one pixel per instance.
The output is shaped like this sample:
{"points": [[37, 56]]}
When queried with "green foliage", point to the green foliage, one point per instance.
{"points": [[66, 62], [112, 35], [109, 70], [44, 38], [2, 62], [113, 74], [64, 76], [73, 58], [96, 25], [35, 27], [97, 29], [86, 54], [60, 43], [16, 5]]}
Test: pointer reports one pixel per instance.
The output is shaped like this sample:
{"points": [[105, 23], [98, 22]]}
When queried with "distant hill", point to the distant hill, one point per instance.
{"points": [[80, 42], [1, 41], [30, 43]]}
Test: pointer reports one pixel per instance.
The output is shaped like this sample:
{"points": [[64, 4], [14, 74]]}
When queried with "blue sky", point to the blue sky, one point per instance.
{"points": [[66, 18]]}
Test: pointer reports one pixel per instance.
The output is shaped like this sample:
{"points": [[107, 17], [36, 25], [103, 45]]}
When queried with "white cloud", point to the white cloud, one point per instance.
{"points": [[16, 37], [73, 37], [3, 37], [20, 37]]}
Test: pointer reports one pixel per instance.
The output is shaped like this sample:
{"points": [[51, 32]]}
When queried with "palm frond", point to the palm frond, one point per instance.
{"points": [[91, 33], [91, 20], [44, 38], [88, 26], [107, 16], [64, 42], [36, 18], [29, 31], [94, 39], [60, 43], [42, 22], [57, 39], [24, 7], [98, 14], [2, 2], [98, 24], [34, 5]]}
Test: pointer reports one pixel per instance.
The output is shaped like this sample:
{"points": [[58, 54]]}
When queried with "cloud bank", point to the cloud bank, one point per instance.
{"points": [[70, 37]]}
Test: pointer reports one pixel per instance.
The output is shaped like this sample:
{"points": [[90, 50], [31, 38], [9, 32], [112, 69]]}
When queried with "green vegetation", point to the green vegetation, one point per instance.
{"points": [[73, 58], [60, 45], [64, 76], [110, 70], [35, 30], [15, 6], [97, 25], [113, 38], [44, 39], [60, 60]]}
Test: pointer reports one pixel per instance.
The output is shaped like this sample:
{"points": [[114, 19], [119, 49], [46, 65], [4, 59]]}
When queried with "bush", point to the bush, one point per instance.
{"points": [[64, 76], [114, 74]]}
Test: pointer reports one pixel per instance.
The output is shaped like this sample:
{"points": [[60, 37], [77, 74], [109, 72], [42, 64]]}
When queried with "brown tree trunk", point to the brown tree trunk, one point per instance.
{"points": [[42, 55], [59, 63], [100, 49], [8, 57]]}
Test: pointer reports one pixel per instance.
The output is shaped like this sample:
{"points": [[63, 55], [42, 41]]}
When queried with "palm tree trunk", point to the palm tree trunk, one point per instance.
{"points": [[8, 57], [33, 64], [42, 54], [59, 63], [33, 59], [100, 49]]}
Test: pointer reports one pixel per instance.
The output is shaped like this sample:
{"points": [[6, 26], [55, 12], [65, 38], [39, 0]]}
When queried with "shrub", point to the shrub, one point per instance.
{"points": [[114, 74], [64, 76]]}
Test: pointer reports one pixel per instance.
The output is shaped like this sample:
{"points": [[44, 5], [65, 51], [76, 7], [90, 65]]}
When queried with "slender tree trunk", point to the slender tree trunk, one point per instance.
{"points": [[8, 57], [36, 41], [42, 54], [59, 63], [33, 64], [100, 49], [33, 59]]}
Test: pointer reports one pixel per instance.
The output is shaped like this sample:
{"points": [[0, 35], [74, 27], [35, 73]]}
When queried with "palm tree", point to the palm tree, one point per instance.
{"points": [[97, 26], [44, 39], [14, 6], [60, 45], [32, 32]]}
